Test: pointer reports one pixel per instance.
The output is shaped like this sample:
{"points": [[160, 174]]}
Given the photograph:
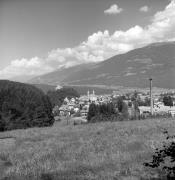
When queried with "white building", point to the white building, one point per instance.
{"points": [[158, 109], [92, 97]]}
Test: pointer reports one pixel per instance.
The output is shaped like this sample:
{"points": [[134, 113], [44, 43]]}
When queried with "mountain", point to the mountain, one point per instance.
{"points": [[132, 69], [59, 76], [22, 78]]}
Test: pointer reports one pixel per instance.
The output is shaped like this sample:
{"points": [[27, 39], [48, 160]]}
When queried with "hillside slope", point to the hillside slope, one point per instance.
{"points": [[131, 69], [99, 151]]}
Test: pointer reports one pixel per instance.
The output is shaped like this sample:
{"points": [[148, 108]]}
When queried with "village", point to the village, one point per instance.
{"points": [[79, 107]]}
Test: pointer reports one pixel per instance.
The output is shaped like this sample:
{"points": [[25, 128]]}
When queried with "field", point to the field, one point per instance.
{"points": [[104, 151]]}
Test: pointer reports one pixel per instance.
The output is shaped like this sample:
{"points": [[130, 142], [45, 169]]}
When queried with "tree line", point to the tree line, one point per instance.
{"points": [[114, 111], [23, 105]]}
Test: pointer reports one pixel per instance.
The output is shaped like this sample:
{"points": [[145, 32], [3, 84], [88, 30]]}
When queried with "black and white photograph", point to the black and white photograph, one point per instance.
{"points": [[87, 89]]}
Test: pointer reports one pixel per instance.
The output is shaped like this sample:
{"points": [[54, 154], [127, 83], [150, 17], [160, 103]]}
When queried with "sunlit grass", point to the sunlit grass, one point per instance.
{"points": [[110, 150]]}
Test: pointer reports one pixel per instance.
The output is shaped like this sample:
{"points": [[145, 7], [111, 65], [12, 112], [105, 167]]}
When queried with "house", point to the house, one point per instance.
{"points": [[58, 87], [66, 100], [173, 102], [158, 104], [158, 109], [76, 110], [64, 110], [145, 110], [71, 105], [172, 112], [84, 111], [73, 100]]}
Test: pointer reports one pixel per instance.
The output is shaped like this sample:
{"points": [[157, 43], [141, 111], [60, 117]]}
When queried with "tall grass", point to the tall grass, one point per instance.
{"points": [[110, 150]]}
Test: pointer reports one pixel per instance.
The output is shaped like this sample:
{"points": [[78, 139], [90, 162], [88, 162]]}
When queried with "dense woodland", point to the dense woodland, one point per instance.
{"points": [[23, 106], [114, 111], [57, 97]]}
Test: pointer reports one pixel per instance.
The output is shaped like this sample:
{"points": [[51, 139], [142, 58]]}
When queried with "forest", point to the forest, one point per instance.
{"points": [[23, 106]]}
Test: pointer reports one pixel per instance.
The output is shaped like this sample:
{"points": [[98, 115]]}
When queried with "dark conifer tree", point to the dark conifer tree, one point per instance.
{"points": [[168, 101]]}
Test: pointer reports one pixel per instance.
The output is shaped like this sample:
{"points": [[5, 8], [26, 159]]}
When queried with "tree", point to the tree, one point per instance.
{"points": [[93, 111], [23, 106], [168, 101], [134, 96], [107, 109], [120, 104], [57, 97], [104, 112], [136, 101], [2, 123], [147, 101], [124, 111]]}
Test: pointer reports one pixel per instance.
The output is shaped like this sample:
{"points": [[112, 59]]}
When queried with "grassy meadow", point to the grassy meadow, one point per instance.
{"points": [[104, 151]]}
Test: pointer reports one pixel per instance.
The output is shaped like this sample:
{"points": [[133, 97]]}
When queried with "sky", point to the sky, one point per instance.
{"points": [[40, 36]]}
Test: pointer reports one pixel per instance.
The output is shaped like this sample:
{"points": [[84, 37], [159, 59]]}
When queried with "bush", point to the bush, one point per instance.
{"points": [[23, 106], [164, 159]]}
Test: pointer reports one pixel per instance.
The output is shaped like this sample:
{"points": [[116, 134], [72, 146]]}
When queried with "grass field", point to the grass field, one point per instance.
{"points": [[104, 151]]}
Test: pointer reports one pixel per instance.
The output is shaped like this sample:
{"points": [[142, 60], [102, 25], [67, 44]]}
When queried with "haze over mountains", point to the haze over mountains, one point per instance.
{"points": [[132, 69]]}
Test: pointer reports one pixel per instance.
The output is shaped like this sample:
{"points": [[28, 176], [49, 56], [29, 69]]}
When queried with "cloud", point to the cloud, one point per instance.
{"points": [[33, 66], [144, 9], [99, 46], [114, 9]]}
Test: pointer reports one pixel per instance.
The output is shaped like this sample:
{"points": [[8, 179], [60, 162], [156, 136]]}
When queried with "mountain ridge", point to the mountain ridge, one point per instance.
{"points": [[131, 69]]}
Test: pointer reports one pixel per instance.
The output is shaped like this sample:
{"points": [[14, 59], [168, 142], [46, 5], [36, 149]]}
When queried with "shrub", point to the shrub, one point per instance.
{"points": [[164, 159], [23, 106]]}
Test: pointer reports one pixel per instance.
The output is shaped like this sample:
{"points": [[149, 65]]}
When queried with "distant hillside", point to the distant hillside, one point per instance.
{"points": [[45, 87], [82, 90], [131, 69], [58, 76], [22, 78]]}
